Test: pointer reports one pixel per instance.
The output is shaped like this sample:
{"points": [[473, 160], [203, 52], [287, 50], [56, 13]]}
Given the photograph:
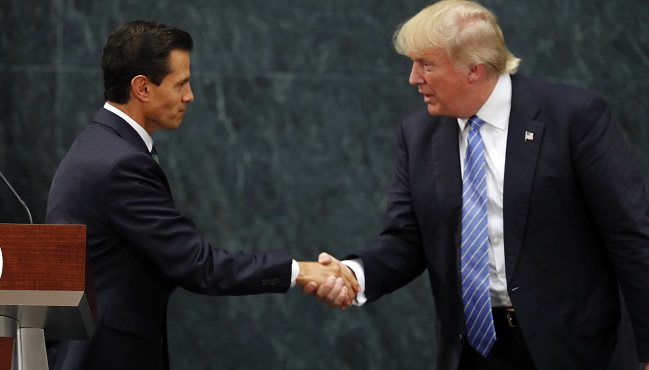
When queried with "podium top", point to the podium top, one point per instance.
{"points": [[43, 257], [45, 280]]}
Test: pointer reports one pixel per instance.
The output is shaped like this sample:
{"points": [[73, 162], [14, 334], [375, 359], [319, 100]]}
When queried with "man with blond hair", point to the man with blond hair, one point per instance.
{"points": [[519, 197]]}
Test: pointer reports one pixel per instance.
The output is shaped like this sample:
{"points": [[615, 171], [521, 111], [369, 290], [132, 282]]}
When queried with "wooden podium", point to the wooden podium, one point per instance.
{"points": [[46, 291]]}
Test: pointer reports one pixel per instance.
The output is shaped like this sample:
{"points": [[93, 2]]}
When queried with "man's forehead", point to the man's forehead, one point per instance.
{"points": [[432, 53]]}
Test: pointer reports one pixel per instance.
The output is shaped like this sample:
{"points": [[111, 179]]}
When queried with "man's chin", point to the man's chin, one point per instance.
{"points": [[434, 110], [176, 124]]}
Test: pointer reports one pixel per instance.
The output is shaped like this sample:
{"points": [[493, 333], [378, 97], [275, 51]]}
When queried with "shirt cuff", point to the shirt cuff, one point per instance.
{"points": [[295, 271], [356, 265]]}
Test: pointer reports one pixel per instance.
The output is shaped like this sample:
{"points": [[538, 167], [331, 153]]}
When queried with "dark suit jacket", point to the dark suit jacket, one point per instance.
{"points": [[141, 248], [576, 225]]}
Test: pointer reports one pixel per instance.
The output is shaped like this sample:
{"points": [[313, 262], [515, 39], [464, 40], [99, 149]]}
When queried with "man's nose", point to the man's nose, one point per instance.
{"points": [[189, 96], [415, 75]]}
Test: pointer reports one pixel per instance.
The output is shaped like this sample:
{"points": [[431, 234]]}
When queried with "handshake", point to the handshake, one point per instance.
{"points": [[329, 280]]}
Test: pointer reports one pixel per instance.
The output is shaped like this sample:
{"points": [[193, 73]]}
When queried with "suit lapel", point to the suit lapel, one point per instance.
{"points": [[447, 172], [121, 128], [524, 139]]}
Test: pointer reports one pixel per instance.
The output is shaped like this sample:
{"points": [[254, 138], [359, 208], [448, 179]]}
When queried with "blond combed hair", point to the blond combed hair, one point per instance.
{"points": [[468, 32]]}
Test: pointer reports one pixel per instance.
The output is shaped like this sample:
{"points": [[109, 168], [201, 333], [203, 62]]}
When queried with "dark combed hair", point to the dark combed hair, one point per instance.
{"points": [[139, 48]]}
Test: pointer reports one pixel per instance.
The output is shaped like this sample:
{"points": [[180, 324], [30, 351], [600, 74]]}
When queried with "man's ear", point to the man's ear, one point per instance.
{"points": [[476, 72], [140, 88]]}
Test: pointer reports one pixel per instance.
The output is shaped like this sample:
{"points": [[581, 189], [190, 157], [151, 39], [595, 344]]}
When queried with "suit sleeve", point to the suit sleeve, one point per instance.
{"points": [[614, 189], [396, 257], [142, 211]]}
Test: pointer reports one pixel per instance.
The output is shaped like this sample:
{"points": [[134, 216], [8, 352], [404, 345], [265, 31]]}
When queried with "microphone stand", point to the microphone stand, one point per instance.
{"points": [[19, 198]]}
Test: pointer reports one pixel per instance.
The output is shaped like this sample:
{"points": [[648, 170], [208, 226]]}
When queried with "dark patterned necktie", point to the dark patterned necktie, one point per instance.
{"points": [[154, 155]]}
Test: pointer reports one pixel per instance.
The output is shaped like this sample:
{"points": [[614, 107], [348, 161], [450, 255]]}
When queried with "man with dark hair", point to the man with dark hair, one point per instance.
{"points": [[135, 48], [141, 247]]}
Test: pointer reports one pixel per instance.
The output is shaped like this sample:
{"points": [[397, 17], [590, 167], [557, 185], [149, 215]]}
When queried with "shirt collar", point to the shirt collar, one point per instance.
{"points": [[495, 110], [143, 134]]}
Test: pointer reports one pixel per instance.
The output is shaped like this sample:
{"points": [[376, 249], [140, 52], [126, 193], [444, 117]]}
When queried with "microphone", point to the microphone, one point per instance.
{"points": [[18, 196]]}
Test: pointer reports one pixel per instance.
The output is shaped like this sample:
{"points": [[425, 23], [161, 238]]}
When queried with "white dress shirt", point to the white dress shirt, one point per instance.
{"points": [[495, 112]]}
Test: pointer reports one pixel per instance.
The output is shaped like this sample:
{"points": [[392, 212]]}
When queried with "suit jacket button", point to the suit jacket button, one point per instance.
{"points": [[264, 282]]}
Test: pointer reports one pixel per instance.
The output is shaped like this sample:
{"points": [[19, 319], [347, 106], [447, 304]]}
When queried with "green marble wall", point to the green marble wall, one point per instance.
{"points": [[289, 143]]}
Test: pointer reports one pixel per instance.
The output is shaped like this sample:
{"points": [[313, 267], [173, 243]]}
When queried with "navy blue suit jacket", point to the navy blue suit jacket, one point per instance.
{"points": [[141, 248], [576, 224]]}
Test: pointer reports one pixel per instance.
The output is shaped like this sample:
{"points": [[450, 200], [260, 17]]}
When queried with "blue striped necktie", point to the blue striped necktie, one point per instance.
{"points": [[481, 333]]}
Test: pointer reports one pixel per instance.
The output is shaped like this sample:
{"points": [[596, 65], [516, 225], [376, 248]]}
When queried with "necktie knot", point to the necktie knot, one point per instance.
{"points": [[475, 123]]}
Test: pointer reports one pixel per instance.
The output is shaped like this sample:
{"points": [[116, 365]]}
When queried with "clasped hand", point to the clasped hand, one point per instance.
{"points": [[329, 280]]}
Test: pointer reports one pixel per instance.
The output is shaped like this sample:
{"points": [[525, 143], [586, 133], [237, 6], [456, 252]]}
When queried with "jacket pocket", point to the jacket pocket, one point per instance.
{"points": [[127, 320], [599, 319]]}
